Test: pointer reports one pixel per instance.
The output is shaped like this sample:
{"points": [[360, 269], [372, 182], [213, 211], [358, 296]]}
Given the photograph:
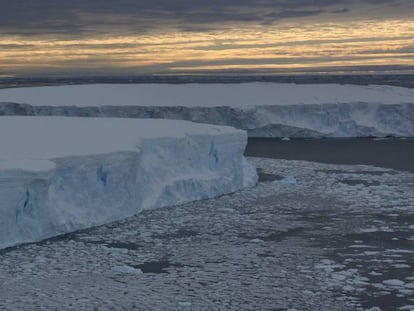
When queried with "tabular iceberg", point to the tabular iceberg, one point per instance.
{"points": [[59, 174], [262, 109]]}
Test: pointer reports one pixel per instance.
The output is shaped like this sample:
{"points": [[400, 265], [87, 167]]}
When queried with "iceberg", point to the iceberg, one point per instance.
{"points": [[261, 109], [60, 174]]}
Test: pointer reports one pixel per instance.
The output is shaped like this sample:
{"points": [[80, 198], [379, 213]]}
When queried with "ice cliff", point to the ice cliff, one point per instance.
{"points": [[262, 109], [59, 174]]}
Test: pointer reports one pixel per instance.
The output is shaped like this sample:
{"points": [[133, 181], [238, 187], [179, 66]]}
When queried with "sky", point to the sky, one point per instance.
{"points": [[127, 37]]}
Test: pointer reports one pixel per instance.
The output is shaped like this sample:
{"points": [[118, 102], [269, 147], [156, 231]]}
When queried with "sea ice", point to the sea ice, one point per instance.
{"points": [[393, 283], [126, 270]]}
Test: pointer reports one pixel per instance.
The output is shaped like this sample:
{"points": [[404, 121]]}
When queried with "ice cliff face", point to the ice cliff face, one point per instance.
{"points": [[358, 119], [56, 178], [262, 109]]}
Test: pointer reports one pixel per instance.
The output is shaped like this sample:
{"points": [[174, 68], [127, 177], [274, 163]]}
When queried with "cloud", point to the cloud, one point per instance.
{"points": [[341, 11], [292, 14], [159, 36], [78, 17]]}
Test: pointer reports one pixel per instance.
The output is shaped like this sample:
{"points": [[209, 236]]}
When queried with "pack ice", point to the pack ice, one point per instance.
{"points": [[62, 174], [262, 109]]}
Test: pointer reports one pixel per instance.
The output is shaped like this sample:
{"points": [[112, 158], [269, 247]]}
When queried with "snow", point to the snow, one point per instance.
{"points": [[262, 109], [59, 174], [204, 95]]}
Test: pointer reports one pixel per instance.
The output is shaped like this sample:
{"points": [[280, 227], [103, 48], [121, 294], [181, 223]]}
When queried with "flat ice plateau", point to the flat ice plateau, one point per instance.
{"points": [[58, 174], [263, 109]]}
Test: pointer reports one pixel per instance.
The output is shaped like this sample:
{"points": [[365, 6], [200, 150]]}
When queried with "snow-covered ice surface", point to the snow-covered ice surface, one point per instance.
{"points": [[263, 109], [308, 237], [62, 174], [204, 95]]}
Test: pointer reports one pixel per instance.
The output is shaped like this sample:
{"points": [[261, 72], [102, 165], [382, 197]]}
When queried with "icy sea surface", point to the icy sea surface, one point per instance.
{"points": [[309, 237]]}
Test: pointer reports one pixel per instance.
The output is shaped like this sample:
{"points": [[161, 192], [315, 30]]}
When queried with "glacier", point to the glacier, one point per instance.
{"points": [[60, 174], [261, 109]]}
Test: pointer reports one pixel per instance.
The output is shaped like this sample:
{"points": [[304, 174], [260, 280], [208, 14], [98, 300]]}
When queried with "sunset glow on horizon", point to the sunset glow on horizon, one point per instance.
{"points": [[297, 44]]}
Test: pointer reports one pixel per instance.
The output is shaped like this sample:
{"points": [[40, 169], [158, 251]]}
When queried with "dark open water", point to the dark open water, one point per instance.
{"points": [[390, 153]]}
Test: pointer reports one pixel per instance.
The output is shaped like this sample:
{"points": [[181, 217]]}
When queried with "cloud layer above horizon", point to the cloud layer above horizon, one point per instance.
{"points": [[186, 36]]}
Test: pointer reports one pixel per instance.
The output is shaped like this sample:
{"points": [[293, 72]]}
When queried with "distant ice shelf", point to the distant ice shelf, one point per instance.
{"points": [[262, 109], [60, 174]]}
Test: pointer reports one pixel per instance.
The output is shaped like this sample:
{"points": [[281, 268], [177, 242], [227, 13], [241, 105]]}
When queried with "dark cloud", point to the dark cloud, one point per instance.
{"points": [[77, 17], [341, 11], [291, 14]]}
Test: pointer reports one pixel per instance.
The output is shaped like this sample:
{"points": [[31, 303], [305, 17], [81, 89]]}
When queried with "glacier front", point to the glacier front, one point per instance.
{"points": [[262, 109], [60, 174]]}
